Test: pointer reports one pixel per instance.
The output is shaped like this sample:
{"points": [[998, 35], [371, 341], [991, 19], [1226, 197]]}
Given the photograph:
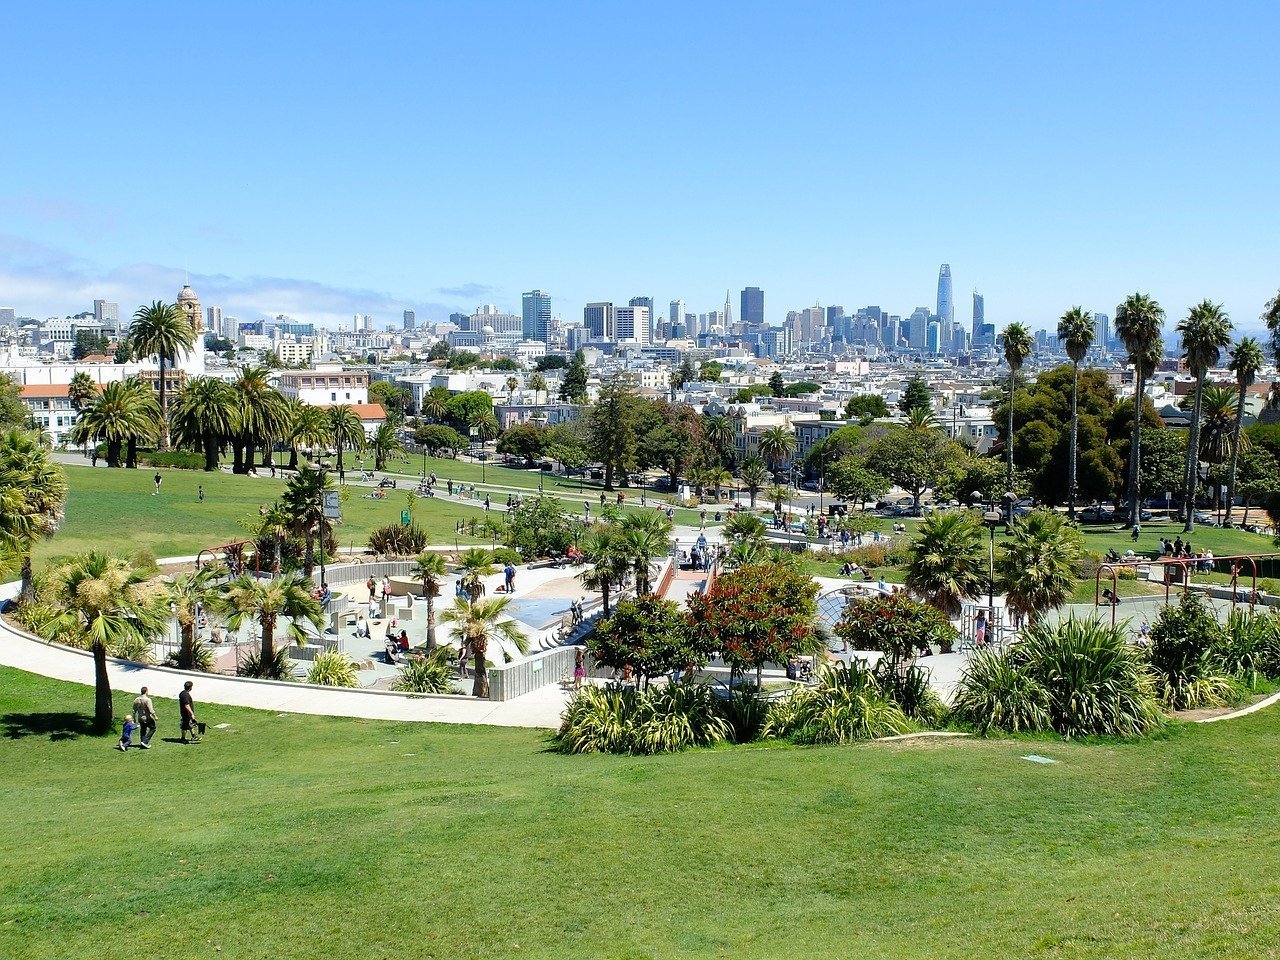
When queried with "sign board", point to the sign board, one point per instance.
{"points": [[404, 518], [332, 508]]}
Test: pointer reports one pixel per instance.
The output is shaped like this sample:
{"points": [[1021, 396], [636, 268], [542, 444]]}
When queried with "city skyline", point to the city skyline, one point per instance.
{"points": [[370, 214]]}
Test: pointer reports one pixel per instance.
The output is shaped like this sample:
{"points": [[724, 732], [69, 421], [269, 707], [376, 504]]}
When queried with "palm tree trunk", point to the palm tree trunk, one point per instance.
{"points": [[479, 686], [293, 457], [340, 471], [1075, 430], [131, 454], [237, 456], [113, 453], [103, 709], [28, 584], [1013, 382], [187, 652], [164, 409], [267, 652], [1135, 446], [604, 598], [1236, 430], [431, 620], [1193, 460], [309, 557], [210, 453]]}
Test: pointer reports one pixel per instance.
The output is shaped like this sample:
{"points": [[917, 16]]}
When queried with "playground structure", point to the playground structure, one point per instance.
{"points": [[1177, 571]]}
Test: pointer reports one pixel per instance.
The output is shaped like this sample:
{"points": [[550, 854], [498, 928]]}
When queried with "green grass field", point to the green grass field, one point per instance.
{"points": [[114, 510], [291, 836]]}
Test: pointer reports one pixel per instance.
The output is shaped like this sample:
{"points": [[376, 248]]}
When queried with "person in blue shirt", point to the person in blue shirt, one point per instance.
{"points": [[126, 736]]}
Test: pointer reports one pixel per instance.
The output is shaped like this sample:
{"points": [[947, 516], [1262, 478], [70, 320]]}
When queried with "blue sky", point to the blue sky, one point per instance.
{"points": [[319, 161]]}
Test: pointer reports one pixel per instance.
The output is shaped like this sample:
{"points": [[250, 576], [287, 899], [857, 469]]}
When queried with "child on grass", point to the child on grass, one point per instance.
{"points": [[126, 736]]}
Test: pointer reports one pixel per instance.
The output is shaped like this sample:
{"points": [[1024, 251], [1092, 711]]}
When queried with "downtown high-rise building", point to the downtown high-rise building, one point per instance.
{"points": [[1102, 331], [410, 320], [599, 320], [728, 312], [946, 312], [536, 316], [631, 324], [675, 316], [213, 320], [752, 312], [919, 332], [979, 318], [107, 313]]}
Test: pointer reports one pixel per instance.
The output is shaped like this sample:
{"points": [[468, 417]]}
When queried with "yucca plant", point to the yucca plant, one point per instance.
{"points": [[201, 658], [429, 674], [333, 668], [134, 648], [598, 720], [1250, 646], [995, 693], [911, 690], [677, 716], [275, 666], [847, 705], [746, 713], [1098, 683]]}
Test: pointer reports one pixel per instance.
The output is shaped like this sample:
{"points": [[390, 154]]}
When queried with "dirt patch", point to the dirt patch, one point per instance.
{"points": [[1194, 715]]}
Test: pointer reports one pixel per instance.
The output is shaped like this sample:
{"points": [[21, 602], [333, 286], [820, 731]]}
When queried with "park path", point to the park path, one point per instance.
{"points": [[540, 709]]}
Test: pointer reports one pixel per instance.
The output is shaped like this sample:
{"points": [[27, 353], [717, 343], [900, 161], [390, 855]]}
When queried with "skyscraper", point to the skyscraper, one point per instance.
{"points": [[728, 312], [536, 316], [979, 317], [946, 306], [631, 324], [599, 321], [919, 329], [106, 312], [410, 320], [675, 314], [214, 317], [752, 312], [1102, 331]]}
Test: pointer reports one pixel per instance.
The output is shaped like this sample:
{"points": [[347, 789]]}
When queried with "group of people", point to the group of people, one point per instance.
{"points": [[144, 720]]}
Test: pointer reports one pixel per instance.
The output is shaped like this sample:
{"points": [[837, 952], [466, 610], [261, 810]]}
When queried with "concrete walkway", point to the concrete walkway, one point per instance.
{"points": [[17, 649]]}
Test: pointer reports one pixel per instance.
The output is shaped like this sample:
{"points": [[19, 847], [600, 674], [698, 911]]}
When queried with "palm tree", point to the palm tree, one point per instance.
{"points": [[719, 433], [476, 624], [642, 538], [778, 495], [186, 593], [124, 414], [246, 599], [754, 474], [81, 391], [1205, 331], [512, 384], [103, 602], [538, 384], [1075, 333], [385, 443], [36, 490], [776, 445], [1037, 569], [1018, 345], [1217, 420], [607, 564], [263, 414], [345, 430], [1271, 317], [308, 429], [744, 526], [303, 501], [435, 404], [1247, 361], [715, 477], [274, 527], [430, 568], [473, 565], [1137, 324], [162, 331], [947, 561], [204, 416], [921, 418]]}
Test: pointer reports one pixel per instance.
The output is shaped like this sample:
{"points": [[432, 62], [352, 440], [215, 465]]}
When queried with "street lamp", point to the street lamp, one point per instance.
{"points": [[991, 518]]}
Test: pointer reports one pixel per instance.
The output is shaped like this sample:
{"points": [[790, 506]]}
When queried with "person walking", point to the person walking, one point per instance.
{"points": [[372, 587], [509, 575], [126, 735], [144, 712], [579, 668], [200, 492], [157, 478], [187, 710]]}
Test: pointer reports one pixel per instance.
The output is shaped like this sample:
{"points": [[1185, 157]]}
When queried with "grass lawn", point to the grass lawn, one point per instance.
{"points": [[114, 510], [1221, 542], [290, 836]]}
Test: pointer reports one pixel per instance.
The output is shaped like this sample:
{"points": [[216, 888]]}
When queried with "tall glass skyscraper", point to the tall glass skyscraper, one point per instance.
{"points": [[946, 306], [979, 317], [752, 306], [536, 319]]}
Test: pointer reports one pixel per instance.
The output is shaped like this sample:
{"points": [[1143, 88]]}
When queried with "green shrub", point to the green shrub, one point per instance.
{"points": [[910, 689], [333, 668], [1185, 642], [276, 667], [172, 459], [433, 674], [995, 693], [398, 540], [846, 706], [202, 658], [134, 648], [599, 720], [746, 713], [1077, 678], [1249, 647], [661, 719]]}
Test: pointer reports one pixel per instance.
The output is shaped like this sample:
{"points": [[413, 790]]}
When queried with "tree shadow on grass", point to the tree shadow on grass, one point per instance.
{"points": [[56, 726]]}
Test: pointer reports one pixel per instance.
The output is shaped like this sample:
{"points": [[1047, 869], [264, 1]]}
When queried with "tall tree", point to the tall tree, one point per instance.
{"points": [[204, 417], [186, 594], [643, 538], [718, 431], [754, 474], [81, 391], [1247, 361], [246, 599], [776, 445], [263, 413], [1075, 333], [478, 623], [430, 569], [1018, 345], [303, 500], [345, 432], [947, 564], [574, 386], [1138, 322], [1205, 331], [611, 423], [124, 414], [161, 330], [103, 603], [607, 563], [385, 444], [915, 394], [538, 384], [1037, 567], [33, 490]]}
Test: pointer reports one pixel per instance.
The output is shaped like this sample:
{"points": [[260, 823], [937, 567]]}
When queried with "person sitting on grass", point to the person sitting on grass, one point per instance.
{"points": [[126, 736]]}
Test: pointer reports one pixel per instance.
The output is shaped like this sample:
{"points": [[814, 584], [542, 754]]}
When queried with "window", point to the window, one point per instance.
{"points": [[348, 394], [333, 397]]}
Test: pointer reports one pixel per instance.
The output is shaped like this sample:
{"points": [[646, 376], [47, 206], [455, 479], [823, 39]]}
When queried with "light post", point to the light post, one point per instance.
{"points": [[991, 518]]}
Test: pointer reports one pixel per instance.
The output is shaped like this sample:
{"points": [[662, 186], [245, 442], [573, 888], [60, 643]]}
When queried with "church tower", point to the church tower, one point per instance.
{"points": [[193, 362]]}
